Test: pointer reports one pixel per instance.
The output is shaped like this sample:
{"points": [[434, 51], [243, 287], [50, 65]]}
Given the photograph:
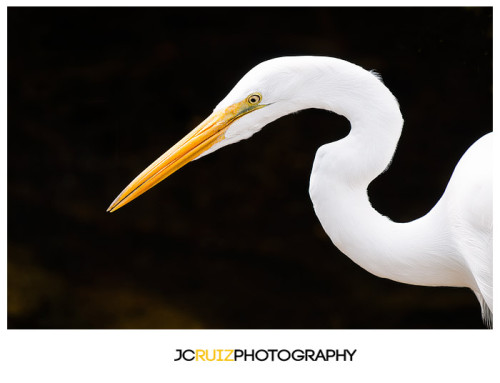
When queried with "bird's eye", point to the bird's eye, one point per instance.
{"points": [[254, 98]]}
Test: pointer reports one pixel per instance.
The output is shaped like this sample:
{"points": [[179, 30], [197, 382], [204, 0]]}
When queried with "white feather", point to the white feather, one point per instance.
{"points": [[449, 246]]}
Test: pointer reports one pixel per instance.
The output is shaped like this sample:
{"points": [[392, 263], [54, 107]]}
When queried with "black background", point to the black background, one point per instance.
{"points": [[230, 241]]}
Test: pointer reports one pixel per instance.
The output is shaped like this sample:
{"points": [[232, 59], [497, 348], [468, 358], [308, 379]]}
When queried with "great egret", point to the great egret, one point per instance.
{"points": [[450, 246]]}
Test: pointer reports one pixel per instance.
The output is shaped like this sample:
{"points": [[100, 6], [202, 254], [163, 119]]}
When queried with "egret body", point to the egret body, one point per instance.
{"points": [[449, 246]]}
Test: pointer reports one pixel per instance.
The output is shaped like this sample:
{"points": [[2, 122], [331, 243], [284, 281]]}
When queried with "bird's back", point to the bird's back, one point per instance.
{"points": [[468, 200]]}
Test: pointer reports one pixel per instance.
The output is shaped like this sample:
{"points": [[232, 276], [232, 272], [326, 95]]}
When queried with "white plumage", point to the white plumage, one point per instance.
{"points": [[449, 246]]}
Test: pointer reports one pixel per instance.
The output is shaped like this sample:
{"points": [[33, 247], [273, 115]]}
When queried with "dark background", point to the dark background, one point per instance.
{"points": [[230, 241]]}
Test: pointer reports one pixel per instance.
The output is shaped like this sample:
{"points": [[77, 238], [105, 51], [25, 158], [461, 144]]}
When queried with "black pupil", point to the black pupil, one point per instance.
{"points": [[253, 99]]}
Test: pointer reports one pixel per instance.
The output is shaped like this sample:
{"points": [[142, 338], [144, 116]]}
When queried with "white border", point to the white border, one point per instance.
{"points": [[147, 356]]}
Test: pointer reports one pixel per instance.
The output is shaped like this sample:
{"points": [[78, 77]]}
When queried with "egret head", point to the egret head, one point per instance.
{"points": [[238, 116], [270, 90]]}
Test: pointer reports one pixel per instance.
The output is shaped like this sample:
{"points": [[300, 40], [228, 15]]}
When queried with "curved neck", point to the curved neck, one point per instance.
{"points": [[405, 252]]}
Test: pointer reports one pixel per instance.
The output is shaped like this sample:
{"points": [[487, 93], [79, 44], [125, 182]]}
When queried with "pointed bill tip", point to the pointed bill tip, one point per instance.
{"points": [[113, 207], [117, 203]]}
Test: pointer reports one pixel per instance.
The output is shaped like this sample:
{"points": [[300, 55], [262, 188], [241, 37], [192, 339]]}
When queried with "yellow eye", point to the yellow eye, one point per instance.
{"points": [[254, 98]]}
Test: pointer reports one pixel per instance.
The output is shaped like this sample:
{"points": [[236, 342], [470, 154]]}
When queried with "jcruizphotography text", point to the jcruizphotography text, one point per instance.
{"points": [[263, 355]]}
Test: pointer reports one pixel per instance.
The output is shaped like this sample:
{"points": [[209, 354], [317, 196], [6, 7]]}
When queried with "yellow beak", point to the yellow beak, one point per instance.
{"points": [[200, 139]]}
